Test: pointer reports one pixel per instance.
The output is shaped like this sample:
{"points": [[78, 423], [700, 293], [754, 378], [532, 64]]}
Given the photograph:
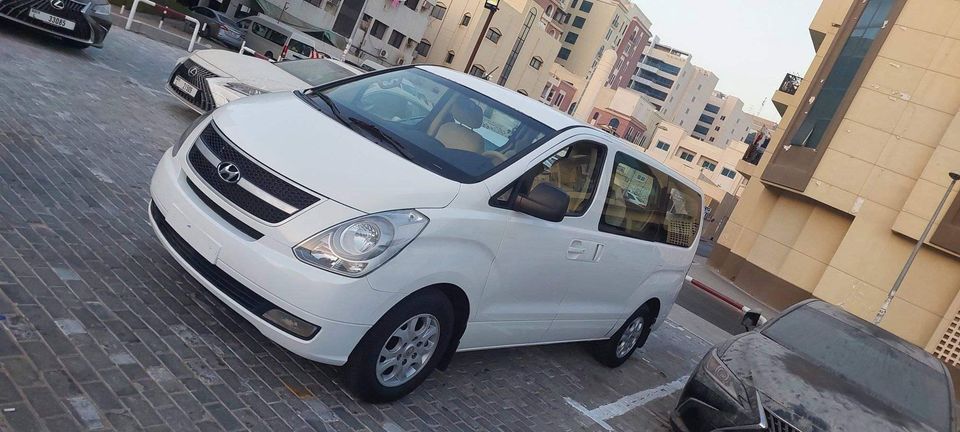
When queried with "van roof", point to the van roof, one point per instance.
{"points": [[294, 30]]}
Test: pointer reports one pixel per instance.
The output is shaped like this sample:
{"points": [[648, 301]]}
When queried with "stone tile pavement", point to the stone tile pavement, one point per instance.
{"points": [[101, 330]]}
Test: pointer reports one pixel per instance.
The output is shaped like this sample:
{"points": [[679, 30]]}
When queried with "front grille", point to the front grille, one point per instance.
{"points": [[777, 424], [251, 172], [240, 226], [73, 11], [203, 99], [237, 292]]}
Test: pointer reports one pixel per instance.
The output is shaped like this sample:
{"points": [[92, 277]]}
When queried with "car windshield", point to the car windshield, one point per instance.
{"points": [[315, 71], [885, 372], [438, 124]]}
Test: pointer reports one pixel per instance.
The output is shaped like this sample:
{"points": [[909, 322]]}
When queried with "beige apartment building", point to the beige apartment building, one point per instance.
{"points": [[855, 170], [515, 52], [672, 83], [594, 26], [722, 120]]}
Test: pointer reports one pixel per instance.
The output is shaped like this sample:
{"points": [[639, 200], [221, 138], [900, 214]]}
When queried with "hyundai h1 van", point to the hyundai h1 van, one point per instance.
{"points": [[385, 221]]}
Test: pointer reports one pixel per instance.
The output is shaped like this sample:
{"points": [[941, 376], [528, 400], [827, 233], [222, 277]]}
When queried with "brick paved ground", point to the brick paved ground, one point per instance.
{"points": [[100, 329]]}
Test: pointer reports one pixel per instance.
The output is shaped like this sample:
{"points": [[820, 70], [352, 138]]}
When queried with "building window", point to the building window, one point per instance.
{"points": [[663, 146], [465, 20], [449, 58], [478, 71], [717, 128], [396, 38], [709, 165], [614, 123], [573, 4], [712, 139], [838, 81], [586, 6], [701, 130], [706, 119], [609, 33], [494, 35], [439, 10], [536, 62], [571, 38], [564, 53], [378, 30], [412, 4], [579, 21], [712, 108], [685, 155], [722, 117], [727, 172], [517, 46], [423, 48]]}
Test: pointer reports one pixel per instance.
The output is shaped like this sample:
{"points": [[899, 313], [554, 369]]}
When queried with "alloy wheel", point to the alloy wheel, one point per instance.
{"points": [[630, 336], [408, 349]]}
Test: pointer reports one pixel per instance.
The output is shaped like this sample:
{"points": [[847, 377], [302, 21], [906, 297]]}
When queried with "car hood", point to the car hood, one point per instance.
{"points": [[249, 70], [808, 396], [296, 140]]}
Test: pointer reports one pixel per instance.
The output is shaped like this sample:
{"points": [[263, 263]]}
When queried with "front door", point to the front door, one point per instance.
{"points": [[538, 260]]}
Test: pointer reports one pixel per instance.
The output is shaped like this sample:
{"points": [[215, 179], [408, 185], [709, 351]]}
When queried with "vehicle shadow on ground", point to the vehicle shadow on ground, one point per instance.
{"points": [[41, 39]]}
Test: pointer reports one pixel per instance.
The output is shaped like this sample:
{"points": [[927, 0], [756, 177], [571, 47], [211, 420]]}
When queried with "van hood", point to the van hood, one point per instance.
{"points": [[292, 138], [249, 70]]}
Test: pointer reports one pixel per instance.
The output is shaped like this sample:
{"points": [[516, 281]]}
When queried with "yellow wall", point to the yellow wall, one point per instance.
{"points": [[846, 237]]}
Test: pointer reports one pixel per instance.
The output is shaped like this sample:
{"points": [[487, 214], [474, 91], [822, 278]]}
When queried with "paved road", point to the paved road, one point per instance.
{"points": [[101, 330]]}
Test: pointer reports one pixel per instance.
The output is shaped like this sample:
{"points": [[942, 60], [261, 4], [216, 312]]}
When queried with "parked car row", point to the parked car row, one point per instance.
{"points": [[80, 23]]}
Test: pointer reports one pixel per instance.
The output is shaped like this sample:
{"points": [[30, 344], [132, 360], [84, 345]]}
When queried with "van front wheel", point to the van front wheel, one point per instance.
{"points": [[401, 350], [633, 334]]}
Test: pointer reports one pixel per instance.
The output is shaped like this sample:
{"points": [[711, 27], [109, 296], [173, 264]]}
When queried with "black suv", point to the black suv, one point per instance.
{"points": [[81, 23]]}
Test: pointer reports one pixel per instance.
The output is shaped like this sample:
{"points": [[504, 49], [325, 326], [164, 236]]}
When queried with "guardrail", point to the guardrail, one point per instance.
{"points": [[245, 50], [165, 11], [743, 308]]}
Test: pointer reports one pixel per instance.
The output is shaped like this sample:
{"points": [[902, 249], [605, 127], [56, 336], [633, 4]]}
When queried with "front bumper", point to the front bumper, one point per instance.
{"points": [[703, 406], [343, 308], [89, 28]]}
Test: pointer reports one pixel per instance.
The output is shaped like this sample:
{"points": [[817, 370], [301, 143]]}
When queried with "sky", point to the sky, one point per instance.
{"points": [[748, 44]]}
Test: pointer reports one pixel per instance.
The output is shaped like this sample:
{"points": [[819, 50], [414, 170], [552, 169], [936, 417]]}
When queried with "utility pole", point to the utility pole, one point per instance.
{"points": [[954, 176], [492, 6]]}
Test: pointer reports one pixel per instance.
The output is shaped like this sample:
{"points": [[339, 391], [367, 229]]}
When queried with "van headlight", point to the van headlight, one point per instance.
{"points": [[357, 247], [190, 129]]}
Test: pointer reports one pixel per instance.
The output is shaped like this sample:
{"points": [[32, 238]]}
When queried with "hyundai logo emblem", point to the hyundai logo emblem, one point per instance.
{"points": [[192, 71], [58, 4], [228, 172]]}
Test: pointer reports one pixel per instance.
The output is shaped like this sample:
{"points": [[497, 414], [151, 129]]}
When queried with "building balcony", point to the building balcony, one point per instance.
{"points": [[751, 158], [785, 95]]}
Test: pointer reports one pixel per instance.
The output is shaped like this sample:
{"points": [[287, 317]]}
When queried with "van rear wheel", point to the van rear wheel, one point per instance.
{"points": [[401, 350], [633, 334]]}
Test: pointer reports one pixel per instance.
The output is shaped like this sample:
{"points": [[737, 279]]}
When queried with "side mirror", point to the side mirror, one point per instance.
{"points": [[545, 201], [750, 320]]}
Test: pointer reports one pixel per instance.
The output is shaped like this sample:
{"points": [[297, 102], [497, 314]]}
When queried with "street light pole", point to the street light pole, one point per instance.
{"points": [[491, 5], [954, 176]]}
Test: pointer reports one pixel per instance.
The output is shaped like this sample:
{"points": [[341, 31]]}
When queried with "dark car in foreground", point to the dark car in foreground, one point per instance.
{"points": [[80, 23], [817, 368]]}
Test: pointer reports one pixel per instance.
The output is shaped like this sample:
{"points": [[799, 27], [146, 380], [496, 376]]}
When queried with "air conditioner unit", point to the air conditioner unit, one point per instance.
{"points": [[426, 5], [383, 53]]}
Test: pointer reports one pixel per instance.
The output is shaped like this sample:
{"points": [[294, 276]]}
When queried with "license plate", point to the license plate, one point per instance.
{"points": [[183, 85], [52, 20]]}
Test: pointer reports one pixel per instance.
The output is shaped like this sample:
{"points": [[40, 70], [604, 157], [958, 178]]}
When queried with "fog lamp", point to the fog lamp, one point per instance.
{"points": [[290, 323]]}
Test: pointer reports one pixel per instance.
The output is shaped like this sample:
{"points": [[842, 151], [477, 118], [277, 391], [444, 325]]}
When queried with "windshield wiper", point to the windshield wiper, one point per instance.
{"points": [[374, 129], [330, 103]]}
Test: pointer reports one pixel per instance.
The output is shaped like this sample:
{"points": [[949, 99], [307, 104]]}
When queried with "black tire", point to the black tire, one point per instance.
{"points": [[269, 54], [606, 351], [361, 371]]}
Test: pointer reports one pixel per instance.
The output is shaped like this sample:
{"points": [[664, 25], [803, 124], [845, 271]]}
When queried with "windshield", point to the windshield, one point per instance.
{"points": [[440, 125], [886, 373], [315, 71]]}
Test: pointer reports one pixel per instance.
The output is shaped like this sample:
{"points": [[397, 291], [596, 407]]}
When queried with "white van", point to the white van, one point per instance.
{"points": [[418, 211], [280, 41]]}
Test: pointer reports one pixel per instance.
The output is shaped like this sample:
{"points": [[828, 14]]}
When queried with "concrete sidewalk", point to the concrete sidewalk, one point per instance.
{"points": [[174, 32], [699, 327], [702, 272]]}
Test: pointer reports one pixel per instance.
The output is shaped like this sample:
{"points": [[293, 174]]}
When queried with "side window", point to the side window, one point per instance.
{"points": [[647, 204], [574, 170], [300, 47]]}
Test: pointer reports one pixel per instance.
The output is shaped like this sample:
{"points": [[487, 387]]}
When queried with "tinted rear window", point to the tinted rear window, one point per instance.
{"points": [[889, 375]]}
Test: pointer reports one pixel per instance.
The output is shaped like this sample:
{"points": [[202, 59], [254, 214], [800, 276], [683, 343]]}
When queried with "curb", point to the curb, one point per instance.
{"points": [[743, 308]]}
